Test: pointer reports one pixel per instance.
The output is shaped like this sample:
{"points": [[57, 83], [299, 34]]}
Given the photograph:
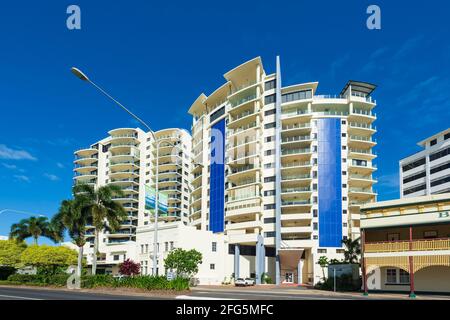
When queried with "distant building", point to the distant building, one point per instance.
{"points": [[428, 171]]}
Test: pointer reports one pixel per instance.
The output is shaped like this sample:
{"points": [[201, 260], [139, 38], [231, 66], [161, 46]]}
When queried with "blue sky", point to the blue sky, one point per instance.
{"points": [[157, 58]]}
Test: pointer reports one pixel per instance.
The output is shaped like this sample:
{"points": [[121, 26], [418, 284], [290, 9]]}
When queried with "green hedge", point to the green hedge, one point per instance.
{"points": [[89, 281], [140, 282], [59, 280]]}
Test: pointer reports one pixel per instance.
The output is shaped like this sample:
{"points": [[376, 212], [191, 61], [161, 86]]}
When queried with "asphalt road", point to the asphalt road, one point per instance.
{"points": [[9, 293]]}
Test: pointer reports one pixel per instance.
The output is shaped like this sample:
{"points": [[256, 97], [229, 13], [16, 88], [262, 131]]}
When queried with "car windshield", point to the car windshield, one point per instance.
{"points": [[240, 279]]}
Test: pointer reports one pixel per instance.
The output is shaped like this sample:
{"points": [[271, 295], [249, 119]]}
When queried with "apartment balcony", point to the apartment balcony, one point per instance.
{"points": [[294, 167], [300, 192], [86, 160], [289, 241], [125, 181], [167, 157], [124, 138], [362, 115], [361, 142], [244, 225], [126, 198], [244, 197], [167, 165], [84, 176], [243, 159], [361, 128], [361, 167], [122, 146], [196, 222], [366, 154], [296, 141], [292, 179], [243, 209], [86, 153], [85, 168], [299, 154], [243, 88], [433, 245], [296, 128], [243, 118], [296, 230], [361, 181], [243, 172], [244, 130], [242, 144], [296, 203], [163, 148], [197, 179], [297, 217], [121, 165], [296, 113], [196, 201], [244, 183], [246, 101], [123, 174], [361, 192], [131, 155]]}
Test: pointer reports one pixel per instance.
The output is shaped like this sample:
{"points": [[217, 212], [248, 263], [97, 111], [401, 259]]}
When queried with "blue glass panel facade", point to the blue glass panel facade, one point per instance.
{"points": [[217, 178], [330, 182]]}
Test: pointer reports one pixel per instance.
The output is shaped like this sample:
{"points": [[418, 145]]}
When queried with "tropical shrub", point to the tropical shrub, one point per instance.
{"points": [[184, 262], [129, 268], [59, 280], [49, 260], [139, 282], [10, 251], [344, 282]]}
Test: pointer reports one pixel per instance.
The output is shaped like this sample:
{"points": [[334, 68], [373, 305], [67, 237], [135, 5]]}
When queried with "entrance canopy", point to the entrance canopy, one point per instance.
{"points": [[290, 258]]}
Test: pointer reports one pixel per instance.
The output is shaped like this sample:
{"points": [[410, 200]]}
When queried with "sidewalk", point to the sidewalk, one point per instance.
{"points": [[309, 291]]}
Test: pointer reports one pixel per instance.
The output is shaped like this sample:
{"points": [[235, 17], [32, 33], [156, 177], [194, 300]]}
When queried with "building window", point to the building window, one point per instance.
{"points": [[269, 220], [270, 125], [315, 213], [433, 142], [414, 164], [214, 247], [269, 165], [269, 152], [269, 206], [404, 277], [391, 276], [270, 99], [315, 226], [415, 189], [269, 193], [430, 234], [270, 234], [171, 245], [116, 257], [269, 139], [298, 95], [321, 250], [212, 266], [142, 248], [269, 179], [146, 248], [447, 136], [344, 135], [340, 251], [415, 177], [269, 85], [270, 112]]}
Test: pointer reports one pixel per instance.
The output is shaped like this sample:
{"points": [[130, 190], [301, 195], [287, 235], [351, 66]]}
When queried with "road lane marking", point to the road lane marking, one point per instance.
{"points": [[200, 298], [18, 297]]}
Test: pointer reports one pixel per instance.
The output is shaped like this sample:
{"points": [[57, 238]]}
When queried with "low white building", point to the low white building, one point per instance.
{"points": [[3, 238]]}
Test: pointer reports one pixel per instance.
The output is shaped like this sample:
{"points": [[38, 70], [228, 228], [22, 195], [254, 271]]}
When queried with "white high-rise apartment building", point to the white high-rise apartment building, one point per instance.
{"points": [[281, 171], [428, 171], [127, 158]]}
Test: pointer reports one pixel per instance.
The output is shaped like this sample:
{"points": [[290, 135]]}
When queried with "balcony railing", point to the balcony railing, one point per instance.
{"points": [[297, 126], [361, 125], [296, 138], [296, 177], [406, 245], [364, 112], [242, 101], [295, 151]]}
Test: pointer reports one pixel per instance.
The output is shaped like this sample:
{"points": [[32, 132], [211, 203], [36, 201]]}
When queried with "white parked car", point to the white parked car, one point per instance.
{"points": [[249, 281], [240, 282]]}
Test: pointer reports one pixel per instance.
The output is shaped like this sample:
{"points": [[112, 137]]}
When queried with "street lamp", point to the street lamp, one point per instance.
{"points": [[79, 74]]}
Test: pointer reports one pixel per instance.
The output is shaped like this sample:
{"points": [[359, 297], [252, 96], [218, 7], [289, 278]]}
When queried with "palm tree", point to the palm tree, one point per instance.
{"points": [[101, 208], [323, 262], [34, 227], [352, 250], [72, 218]]}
